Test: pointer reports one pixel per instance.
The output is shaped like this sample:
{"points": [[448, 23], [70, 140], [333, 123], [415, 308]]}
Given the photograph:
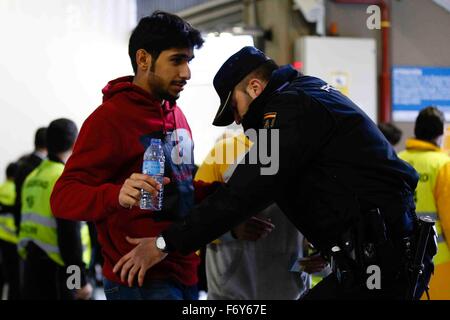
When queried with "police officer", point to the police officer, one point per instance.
{"points": [[338, 180]]}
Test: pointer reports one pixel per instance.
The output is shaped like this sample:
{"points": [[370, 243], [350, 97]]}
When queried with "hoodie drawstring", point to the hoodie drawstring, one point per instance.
{"points": [[161, 112], [179, 151]]}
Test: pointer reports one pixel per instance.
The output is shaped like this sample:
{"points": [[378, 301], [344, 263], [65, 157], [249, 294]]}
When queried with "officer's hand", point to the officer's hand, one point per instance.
{"points": [[253, 229], [313, 264], [84, 293], [138, 260], [130, 193]]}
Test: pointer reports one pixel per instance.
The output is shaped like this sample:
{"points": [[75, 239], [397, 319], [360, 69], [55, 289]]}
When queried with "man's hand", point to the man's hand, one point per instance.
{"points": [[253, 229], [139, 260], [130, 193], [313, 264], [84, 293]]}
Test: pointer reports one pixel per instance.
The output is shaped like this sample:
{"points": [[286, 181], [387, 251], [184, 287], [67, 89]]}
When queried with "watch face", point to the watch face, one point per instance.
{"points": [[160, 243]]}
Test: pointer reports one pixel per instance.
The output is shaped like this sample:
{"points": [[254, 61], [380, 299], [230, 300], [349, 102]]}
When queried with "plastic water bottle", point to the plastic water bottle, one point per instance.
{"points": [[153, 165]]}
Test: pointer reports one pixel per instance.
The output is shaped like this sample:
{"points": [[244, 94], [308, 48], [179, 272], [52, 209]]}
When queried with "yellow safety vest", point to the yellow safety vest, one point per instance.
{"points": [[427, 163], [38, 223], [8, 230]]}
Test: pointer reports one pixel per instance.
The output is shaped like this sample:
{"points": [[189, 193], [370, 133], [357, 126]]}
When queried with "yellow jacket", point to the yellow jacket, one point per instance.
{"points": [[432, 195]]}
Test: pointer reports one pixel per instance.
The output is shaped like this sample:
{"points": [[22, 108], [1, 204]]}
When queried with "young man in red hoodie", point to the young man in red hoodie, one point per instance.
{"points": [[102, 181]]}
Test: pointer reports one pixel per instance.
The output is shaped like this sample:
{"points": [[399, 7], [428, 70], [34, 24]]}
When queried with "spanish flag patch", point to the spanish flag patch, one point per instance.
{"points": [[269, 120]]}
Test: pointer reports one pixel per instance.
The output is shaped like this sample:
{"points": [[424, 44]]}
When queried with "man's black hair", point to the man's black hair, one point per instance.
{"points": [[162, 31], [429, 124], [40, 138], [392, 133], [11, 170], [61, 135]]}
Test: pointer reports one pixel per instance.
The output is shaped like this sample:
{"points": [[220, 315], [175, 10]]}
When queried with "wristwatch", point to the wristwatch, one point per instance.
{"points": [[161, 244]]}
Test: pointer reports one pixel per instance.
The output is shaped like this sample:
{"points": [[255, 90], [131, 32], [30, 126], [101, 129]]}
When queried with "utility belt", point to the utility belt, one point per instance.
{"points": [[399, 257]]}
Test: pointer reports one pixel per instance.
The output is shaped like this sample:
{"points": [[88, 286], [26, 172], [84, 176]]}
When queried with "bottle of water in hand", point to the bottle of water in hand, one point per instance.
{"points": [[153, 165]]}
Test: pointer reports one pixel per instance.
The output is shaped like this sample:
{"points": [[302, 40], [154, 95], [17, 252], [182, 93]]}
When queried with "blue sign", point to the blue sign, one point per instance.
{"points": [[414, 88]]}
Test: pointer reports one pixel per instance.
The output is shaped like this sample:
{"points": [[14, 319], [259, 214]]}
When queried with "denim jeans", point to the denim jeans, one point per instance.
{"points": [[154, 290]]}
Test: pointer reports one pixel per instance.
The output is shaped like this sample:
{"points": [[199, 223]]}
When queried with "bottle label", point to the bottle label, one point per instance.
{"points": [[152, 168]]}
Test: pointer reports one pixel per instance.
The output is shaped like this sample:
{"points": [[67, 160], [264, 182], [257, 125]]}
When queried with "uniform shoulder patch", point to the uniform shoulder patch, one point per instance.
{"points": [[269, 120]]}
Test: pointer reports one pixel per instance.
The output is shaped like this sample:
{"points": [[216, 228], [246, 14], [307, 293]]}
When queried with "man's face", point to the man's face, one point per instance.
{"points": [[240, 102], [169, 74]]}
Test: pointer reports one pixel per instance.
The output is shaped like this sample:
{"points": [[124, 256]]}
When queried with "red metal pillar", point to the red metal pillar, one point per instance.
{"points": [[385, 76]]}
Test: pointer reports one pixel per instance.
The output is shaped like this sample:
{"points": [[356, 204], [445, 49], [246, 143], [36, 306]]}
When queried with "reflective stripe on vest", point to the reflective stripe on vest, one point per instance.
{"points": [[48, 248], [428, 164], [37, 218], [7, 222], [42, 231], [8, 228], [38, 224]]}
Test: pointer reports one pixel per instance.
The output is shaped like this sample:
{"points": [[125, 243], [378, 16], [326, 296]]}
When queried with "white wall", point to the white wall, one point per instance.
{"points": [[55, 57], [58, 55]]}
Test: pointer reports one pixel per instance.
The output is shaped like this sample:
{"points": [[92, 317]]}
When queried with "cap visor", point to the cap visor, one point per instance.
{"points": [[224, 116]]}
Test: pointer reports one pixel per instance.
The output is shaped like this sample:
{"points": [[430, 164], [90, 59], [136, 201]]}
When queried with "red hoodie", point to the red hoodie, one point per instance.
{"points": [[109, 148]]}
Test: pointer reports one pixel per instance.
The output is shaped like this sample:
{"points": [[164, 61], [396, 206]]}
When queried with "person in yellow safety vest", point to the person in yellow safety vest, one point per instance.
{"points": [[52, 248], [27, 163], [432, 195], [8, 236]]}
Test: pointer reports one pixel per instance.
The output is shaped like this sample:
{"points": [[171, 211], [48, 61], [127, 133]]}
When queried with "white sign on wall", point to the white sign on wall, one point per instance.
{"points": [[349, 64]]}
